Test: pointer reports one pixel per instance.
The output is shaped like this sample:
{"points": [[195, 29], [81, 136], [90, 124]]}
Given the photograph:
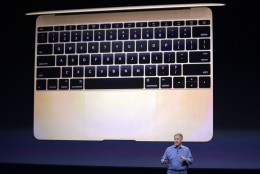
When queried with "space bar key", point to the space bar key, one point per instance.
{"points": [[114, 83]]}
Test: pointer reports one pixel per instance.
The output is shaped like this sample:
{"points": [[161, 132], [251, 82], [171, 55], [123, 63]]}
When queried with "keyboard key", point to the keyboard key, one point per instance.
{"points": [[48, 72], [66, 72], [163, 70], [166, 82], [76, 83], [204, 82], [138, 70], [141, 45], [102, 71], [114, 83], [125, 71], [44, 49], [201, 31], [178, 44], [200, 56], [191, 44], [204, 44], [169, 57], [191, 82], [185, 32], [63, 84], [204, 22], [196, 69], [178, 82], [41, 84], [52, 84], [42, 37], [152, 82], [45, 60], [113, 71]]}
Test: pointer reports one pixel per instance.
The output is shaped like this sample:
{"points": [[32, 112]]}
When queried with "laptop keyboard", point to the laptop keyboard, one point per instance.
{"points": [[130, 55]]}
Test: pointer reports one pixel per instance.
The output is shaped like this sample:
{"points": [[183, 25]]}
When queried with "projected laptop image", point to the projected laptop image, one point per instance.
{"points": [[137, 73]]}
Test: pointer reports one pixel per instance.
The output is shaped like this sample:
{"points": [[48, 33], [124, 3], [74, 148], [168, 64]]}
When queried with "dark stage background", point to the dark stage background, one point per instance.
{"points": [[236, 141]]}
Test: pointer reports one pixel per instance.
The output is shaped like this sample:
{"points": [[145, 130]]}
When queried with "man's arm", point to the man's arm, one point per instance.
{"points": [[188, 159]]}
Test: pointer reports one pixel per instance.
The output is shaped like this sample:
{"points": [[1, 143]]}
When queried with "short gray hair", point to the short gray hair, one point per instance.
{"points": [[179, 134]]}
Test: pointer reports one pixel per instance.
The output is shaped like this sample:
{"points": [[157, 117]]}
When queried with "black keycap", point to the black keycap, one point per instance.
{"points": [[204, 82], [172, 32], [76, 36], [53, 37], [102, 71], [73, 60], [200, 56], [178, 82], [160, 33], [129, 46], [157, 57], [45, 60], [191, 22], [117, 46], [90, 71], [166, 82], [204, 22], [178, 23], [135, 34], [125, 71], [87, 36], [84, 59], [152, 82], [81, 47], [44, 49], [114, 83], [185, 32], [191, 44], [58, 48], [150, 70], [107, 59], [201, 31], [41, 84], [204, 44], [105, 47], [42, 37], [144, 58], [78, 71], [76, 83], [48, 72], [45, 28], [163, 70], [141, 45], [66, 72], [64, 36], [120, 58], [166, 45], [191, 82], [111, 35], [52, 84], [178, 44], [182, 57], [169, 57], [70, 48], [138, 70], [61, 60], [113, 71], [132, 58], [117, 25], [196, 69], [63, 84], [175, 70], [153, 45]]}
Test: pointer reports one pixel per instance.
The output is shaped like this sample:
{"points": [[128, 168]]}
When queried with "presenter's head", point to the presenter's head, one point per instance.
{"points": [[178, 139]]}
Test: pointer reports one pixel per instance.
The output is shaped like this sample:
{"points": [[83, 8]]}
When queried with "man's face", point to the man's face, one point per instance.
{"points": [[177, 140]]}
